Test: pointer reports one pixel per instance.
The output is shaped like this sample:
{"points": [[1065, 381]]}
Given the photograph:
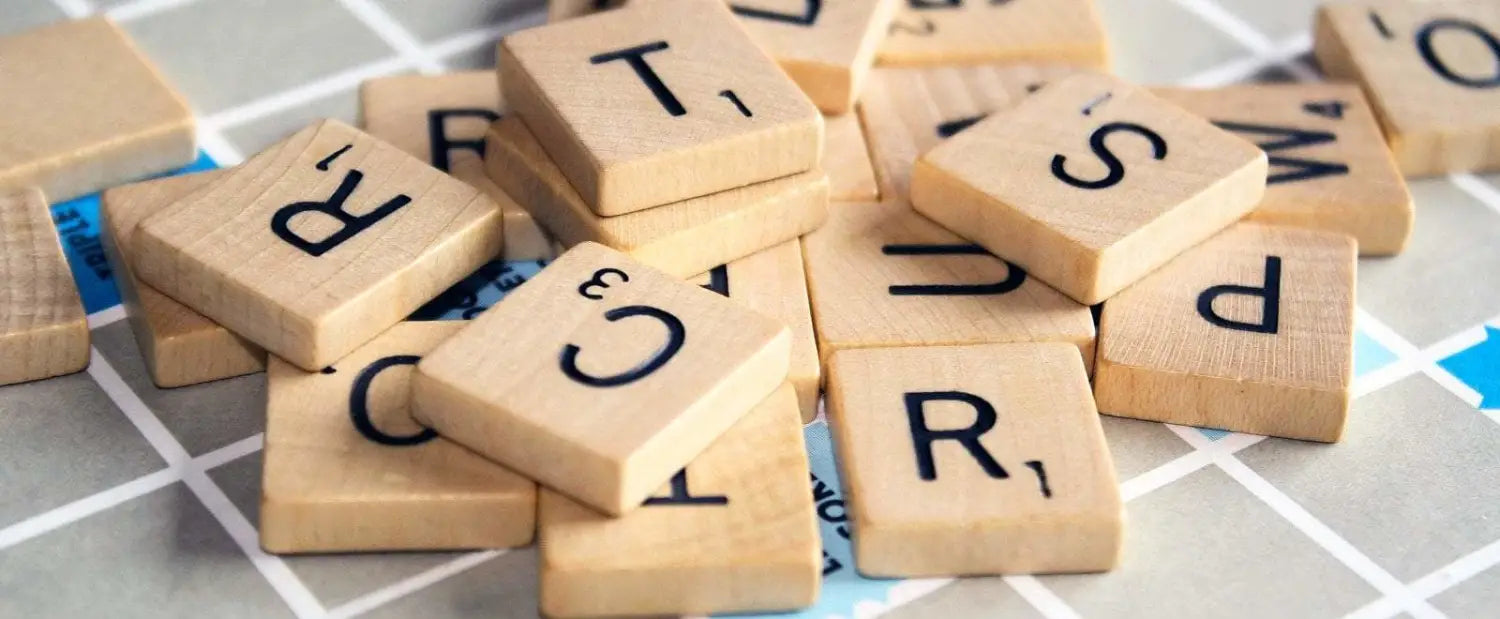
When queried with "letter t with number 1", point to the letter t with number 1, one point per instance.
{"points": [[1090, 184], [601, 377]]}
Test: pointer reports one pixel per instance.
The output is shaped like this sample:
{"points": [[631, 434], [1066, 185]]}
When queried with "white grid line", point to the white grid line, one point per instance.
{"points": [[400, 589], [1409, 359]]}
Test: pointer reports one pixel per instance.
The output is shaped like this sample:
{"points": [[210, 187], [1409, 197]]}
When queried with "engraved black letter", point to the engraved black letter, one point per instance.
{"points": [[1270, 292], [681, 496], [1429, 54], [1013, 279], [1289, 138], [359, 404], [1116, 169], [807, 18], [437, 134], [334, 207], [718, 280], [636, 58], [922, 437], [676, 334]]}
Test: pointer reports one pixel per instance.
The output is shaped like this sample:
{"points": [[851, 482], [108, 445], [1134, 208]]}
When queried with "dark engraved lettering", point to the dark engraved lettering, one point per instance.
{"points": [[333, 207], [830, 564], [1088, 109], [926, 29], [718, 280], [1380, 26], [597, 281], [676, 335], [735, 99], [808, 16], [935, 4], [1283, 138], [952, 127], [1101, 150], [328, 370], [442, 145], [636, 58], [359, 404], [681, 496], [922, 436], [1269, 293], [323, 165], [1430, 29], [1326, 109], [1041, 477], [1014, 276]]}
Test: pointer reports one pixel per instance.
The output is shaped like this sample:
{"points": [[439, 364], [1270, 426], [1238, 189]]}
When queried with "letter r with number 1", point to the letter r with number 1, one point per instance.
{"points": [[601, 378]]}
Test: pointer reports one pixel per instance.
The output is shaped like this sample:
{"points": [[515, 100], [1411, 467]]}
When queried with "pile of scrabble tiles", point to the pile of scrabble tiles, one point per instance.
{"points": [[744, 215]]}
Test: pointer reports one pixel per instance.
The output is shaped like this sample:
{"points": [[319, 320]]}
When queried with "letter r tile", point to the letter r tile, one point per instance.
{"points": [[601, 377], [1252, 331], [973, 460], [658, 102], [319, 243]]}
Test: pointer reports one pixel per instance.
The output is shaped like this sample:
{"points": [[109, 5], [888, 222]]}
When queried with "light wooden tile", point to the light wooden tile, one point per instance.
{"points": [[1432, 72], [1251, 331], [673, 238], [1089, 184], [973, 460], [882, 275], [826, 47], [907, 111], [181, 347], [612, 377], [346, 468], [43, 331], [942, 32], [733, 532], [84, 110], [846, 157], [274, 251], [1330, 169], [774, 283], [658, 102], [442, 119]]}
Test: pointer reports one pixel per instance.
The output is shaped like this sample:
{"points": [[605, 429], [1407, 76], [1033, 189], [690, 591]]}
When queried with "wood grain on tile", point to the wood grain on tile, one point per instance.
{"points": [[180, 346], [658, 102], [317, 244], [685, 238], [973, 460], [948, 32], [732, 532], [1252, 331], [601, 377], [826, 47], [1090, 184], [346, 469], [43, 330]]}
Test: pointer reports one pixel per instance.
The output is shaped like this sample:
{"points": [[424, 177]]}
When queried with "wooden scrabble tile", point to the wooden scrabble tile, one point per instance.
{"points": [[441, 119], [907, 111], [773, 282], [43, 330], [658, 102], [346, 469], [672, 238], [1089, 184], [1251, 331], [947, 32], [732, 532], [826, 48], [84, 110], [973, 460], [317, 244], [612, 376], [846, 157], [881, 275], [1330, 169], [1432, 72], [181, 347]]}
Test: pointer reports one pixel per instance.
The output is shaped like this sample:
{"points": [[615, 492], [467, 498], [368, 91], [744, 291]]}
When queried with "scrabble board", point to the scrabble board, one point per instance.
{"points": [[121, 499]]}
